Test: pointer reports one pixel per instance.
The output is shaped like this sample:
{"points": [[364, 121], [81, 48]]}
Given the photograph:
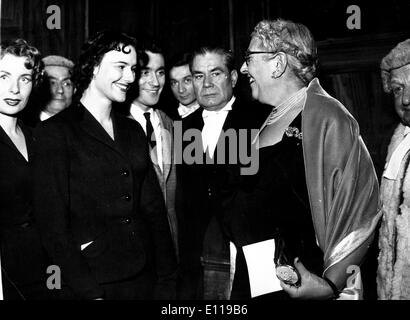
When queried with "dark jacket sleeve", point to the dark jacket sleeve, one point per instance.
{"points": [[51, 209], [153, 206]]}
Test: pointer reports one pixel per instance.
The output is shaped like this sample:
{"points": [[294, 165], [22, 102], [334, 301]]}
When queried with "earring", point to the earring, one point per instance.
{"points": [[275, 74]]}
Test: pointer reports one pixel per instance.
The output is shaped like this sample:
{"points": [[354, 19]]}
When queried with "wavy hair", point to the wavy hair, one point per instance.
{"points": [[227, 55], [93, 51], [295, 40], [20, 48], [398, 57]]}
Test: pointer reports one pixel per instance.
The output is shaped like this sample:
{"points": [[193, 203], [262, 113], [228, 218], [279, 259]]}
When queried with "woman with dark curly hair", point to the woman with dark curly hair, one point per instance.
{"points": [[23, 259], [100, 208]]}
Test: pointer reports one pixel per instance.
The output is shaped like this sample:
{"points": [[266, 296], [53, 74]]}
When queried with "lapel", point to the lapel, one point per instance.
{"points": [[193, 121], [93, 128], [166, 141], [5, 139], [29, 140], [230, 121], [198, 123]]}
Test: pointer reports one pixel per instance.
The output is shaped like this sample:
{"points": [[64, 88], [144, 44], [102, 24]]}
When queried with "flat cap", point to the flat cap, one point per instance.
{"points": [[60, 61]]}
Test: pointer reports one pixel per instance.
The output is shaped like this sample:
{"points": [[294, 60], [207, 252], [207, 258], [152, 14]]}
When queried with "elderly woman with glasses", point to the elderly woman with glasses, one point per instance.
{"points": [[315, 196], [393, 275]]}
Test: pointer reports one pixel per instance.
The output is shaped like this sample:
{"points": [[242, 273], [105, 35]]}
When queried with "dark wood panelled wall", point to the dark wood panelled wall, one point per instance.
{"points": [[349, 58], [28, 19]]}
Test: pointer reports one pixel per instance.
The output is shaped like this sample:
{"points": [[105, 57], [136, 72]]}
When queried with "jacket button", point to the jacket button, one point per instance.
{"points": [[125, 173], [126, 197]]}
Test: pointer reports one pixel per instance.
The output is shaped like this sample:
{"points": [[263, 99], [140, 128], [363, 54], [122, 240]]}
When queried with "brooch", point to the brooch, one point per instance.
{"points": [[293, 132]]}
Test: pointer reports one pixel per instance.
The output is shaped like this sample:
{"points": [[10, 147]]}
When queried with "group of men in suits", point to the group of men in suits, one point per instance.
{"points": [[107, 231], [203, 82]]}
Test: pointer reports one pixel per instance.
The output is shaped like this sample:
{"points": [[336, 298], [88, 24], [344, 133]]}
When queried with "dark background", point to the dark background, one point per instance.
{"points": [[349, 59]]}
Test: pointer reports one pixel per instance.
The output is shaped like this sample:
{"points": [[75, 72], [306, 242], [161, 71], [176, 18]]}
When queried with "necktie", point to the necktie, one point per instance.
{"points": [[150, 130]]}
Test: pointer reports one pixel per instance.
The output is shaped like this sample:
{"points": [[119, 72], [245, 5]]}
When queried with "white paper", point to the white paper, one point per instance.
{"points": [[261, 267], [85, 245]]}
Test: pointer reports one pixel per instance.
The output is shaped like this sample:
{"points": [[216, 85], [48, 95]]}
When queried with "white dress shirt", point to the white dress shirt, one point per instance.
{"points": [[137, 113], [184, 111], [44, 116], [213, 123]]}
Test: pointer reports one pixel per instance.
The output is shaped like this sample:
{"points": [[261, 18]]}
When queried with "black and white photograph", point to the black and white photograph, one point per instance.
{"points": [[206, 155]]}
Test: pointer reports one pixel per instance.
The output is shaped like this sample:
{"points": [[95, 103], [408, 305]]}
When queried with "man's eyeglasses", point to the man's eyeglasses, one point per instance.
{"points": [[248, 54]]}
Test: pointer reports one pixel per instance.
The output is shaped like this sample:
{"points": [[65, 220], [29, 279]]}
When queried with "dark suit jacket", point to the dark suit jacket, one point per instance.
{"points": [[167, 176], [22, 255], [172, 112], [201, 186], [90, 188]]}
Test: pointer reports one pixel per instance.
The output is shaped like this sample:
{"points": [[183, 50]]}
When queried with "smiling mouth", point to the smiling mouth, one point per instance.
{"points": [[12, 102], [153, 92], [123, 87]]}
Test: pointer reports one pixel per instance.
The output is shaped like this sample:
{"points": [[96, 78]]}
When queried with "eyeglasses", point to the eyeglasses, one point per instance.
{"points": [[248, 53]]}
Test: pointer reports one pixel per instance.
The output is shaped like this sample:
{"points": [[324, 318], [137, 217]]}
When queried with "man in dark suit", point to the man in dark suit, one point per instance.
{"points": [[205, 254], [97, 200], [158, 128], [182, 87]]}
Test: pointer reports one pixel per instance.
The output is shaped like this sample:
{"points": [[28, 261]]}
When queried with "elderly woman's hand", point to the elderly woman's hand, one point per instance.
{"points": [[311, 286]]}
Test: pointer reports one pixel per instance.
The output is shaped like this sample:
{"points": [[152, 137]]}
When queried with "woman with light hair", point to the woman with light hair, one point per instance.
{"points": [[393, 274], [23, 259], [316, 191]]}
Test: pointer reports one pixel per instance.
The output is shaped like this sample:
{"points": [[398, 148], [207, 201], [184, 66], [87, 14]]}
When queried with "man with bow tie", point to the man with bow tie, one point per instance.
{"points": [[204, 248]]}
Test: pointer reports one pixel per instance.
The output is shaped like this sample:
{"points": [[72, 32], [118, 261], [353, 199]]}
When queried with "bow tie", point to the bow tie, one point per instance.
{"points": [[206, 113]]}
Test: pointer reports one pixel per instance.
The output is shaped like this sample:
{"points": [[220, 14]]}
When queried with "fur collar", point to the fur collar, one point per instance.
{"points": [[393, 274]]}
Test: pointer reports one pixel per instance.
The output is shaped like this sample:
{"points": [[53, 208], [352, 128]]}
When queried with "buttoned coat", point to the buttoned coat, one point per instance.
{"points": [[99, 205], [23, 258]]}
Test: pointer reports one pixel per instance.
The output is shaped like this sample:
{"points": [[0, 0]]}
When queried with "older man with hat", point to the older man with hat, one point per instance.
{"points": [[58, 71]]}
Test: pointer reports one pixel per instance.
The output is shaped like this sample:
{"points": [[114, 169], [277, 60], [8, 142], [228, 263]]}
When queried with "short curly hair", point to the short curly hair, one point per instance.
{"points": [[398, 57], [227, 55], [93, 52], [20, 48], [294, 39]]}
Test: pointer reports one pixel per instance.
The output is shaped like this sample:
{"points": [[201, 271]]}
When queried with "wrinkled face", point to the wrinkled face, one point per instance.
{"points": [[213, 83], [400, 84], [115, 73], [259, 72], [152, 80], [181, 85], [15, 84], [61, 87]]}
